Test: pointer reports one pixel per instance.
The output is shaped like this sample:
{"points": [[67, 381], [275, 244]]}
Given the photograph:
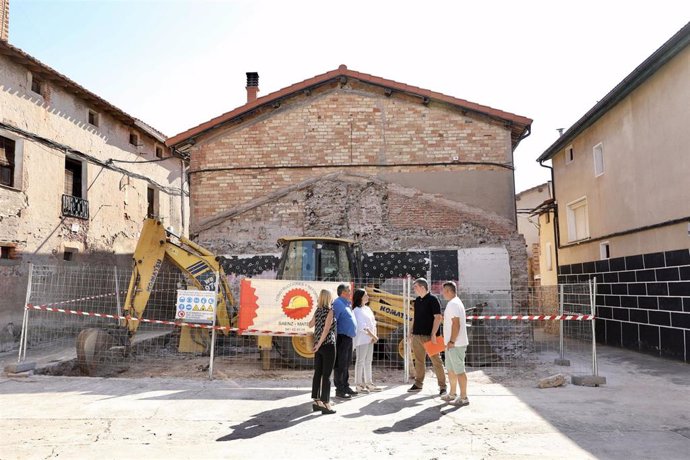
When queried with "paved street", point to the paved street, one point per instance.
{"points": [[643, 412]]}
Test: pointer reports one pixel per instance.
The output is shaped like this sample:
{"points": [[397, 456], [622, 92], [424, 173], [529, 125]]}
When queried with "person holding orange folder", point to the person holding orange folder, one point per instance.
{"points": [[425, 326]]}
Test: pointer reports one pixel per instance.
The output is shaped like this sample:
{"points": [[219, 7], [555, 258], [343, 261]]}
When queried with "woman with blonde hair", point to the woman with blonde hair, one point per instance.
{"points": [[323, 323]]}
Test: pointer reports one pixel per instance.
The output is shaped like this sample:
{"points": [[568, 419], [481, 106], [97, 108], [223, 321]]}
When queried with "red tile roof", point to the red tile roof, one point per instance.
{"points": [[519, 125], [22, 58]]}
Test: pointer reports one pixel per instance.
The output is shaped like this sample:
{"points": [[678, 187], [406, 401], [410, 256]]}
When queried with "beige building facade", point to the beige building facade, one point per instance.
{"points": [[529, 225], [77, 177], [621, 184]]}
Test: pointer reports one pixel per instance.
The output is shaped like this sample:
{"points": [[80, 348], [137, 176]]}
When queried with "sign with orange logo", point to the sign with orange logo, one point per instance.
{"points": [[280, 305]]}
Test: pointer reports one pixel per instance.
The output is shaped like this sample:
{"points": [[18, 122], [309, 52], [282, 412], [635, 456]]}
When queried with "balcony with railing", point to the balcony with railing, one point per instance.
{"points": [[73, 206]]}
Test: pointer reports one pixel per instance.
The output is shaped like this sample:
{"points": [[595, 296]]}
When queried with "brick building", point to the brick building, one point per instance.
{"points": [[345, 154]]}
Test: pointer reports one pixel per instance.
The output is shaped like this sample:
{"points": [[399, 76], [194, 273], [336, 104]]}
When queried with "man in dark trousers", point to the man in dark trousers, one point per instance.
{"points": [[346, 328], [425, 325]]}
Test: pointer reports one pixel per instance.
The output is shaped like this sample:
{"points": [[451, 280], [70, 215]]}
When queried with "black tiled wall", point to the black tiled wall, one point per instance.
{"points": [[643, 301]]}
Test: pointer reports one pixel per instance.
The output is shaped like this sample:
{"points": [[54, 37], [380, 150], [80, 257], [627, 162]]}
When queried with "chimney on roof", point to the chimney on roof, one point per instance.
{"points": [[252, 85], [4, 20]]}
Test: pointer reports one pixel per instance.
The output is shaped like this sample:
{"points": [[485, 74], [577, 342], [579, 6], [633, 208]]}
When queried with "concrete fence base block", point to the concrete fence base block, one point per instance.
{"points": [[588, 380], [551, 382], [16, 368], [561, 362], [20, 374]]}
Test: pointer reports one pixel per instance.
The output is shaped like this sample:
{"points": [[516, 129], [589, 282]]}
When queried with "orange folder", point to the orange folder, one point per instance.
{"points": [[434, 349]]}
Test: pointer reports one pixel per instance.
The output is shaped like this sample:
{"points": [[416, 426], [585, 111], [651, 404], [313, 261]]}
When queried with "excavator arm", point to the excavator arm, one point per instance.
{"points": [[199, 264], [155, 246]]}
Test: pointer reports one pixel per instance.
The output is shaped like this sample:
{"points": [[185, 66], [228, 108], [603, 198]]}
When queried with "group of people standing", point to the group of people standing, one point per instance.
{"points": [[341, 327]]}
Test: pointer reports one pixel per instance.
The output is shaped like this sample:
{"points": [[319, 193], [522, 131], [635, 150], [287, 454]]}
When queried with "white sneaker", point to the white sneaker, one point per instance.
{"points": [[372, 387], [362, 389], [460, 402], [448, 397]]}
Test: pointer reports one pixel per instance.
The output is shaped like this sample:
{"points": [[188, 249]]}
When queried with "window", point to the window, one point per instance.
{"points": [[299, 260], [569, 154], [133, 139], [152, 202], [36, 84], [548, 217], [333, 262], [73, 178], [605, 250], [598, 152], [159, 151], [69, 253], [547, 257], [93, 118], [8, 251], [7, 163], [578, 225]]}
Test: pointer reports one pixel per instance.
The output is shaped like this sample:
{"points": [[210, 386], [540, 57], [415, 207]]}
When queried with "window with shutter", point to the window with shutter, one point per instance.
{"points": [[578, 223], [7, 163]]}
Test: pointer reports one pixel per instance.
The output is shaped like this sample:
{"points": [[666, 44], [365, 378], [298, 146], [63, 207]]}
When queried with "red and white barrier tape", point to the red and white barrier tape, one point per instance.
{"points": [[536, 317], [78, 300], [158, 321], [265, 332]]}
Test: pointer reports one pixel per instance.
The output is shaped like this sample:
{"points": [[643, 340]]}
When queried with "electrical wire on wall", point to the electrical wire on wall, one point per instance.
{"points": [[107, 164]]}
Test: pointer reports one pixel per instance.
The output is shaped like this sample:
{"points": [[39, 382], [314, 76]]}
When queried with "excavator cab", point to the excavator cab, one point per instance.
{"points": [[319, 259]]}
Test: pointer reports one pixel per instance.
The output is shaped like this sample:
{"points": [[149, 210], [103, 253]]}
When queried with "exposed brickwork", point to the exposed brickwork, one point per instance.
{"points": [[314, 165], [534, 267], [4, 20], [355, 127]]}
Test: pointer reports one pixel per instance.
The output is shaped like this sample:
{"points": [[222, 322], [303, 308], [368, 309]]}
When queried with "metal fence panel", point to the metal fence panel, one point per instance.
{"points": [[505, 330]]}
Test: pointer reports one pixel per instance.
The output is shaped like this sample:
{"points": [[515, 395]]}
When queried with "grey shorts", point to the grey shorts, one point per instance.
{"points": [[455, 359]]}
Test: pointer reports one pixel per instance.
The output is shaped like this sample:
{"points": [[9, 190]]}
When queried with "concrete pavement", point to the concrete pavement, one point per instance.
{"points": [[642, 412]]}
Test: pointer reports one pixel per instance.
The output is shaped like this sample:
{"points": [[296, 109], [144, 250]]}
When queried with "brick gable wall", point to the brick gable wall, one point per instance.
{"points": [[352, 128]]}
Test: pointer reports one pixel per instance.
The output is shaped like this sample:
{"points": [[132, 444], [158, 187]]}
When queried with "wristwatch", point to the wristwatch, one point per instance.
{"points": [[451, 342]]}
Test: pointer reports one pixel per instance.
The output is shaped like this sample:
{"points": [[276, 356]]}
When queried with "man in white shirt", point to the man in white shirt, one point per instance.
{"points": [[455, 338]]}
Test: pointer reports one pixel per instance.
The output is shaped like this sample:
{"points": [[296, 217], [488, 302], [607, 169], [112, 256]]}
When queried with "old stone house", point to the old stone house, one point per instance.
{"points": [[623, 204], [77, 177], [423, 180]]}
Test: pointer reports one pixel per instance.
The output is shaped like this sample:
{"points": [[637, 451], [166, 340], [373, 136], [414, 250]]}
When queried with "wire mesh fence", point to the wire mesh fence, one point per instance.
{"points": [[507, 329]]}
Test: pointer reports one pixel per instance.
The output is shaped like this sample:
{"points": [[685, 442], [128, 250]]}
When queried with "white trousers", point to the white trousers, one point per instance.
{"points": [[365, 355]]}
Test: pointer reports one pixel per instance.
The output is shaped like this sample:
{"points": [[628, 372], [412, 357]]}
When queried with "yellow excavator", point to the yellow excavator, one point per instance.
{"points": [[303, 258], [96, 346]]}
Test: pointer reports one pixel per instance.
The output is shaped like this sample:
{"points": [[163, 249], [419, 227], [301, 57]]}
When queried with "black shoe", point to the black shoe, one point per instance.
{"points": [[327, 411], [352, 392], [342, 395], [414, 389], [315, 407], [442, 392]]}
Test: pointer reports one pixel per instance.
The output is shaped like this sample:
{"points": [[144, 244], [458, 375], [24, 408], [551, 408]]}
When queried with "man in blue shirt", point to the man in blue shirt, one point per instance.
{"points": [[346, 328]]}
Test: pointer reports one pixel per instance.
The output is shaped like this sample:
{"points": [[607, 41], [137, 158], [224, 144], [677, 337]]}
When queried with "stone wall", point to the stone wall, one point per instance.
{"points": [[382, 216]]}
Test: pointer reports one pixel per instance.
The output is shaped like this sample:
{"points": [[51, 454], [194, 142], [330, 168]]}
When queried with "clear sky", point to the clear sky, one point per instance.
{"points": [[175, 64]]}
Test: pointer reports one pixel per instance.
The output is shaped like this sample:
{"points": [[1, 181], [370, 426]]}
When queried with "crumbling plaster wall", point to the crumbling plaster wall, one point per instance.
{"points": [[30, 211], [380, 215]]}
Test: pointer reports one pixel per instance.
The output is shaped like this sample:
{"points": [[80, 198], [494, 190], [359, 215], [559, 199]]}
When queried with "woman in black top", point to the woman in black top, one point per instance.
{"points": [[323, 323]]}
